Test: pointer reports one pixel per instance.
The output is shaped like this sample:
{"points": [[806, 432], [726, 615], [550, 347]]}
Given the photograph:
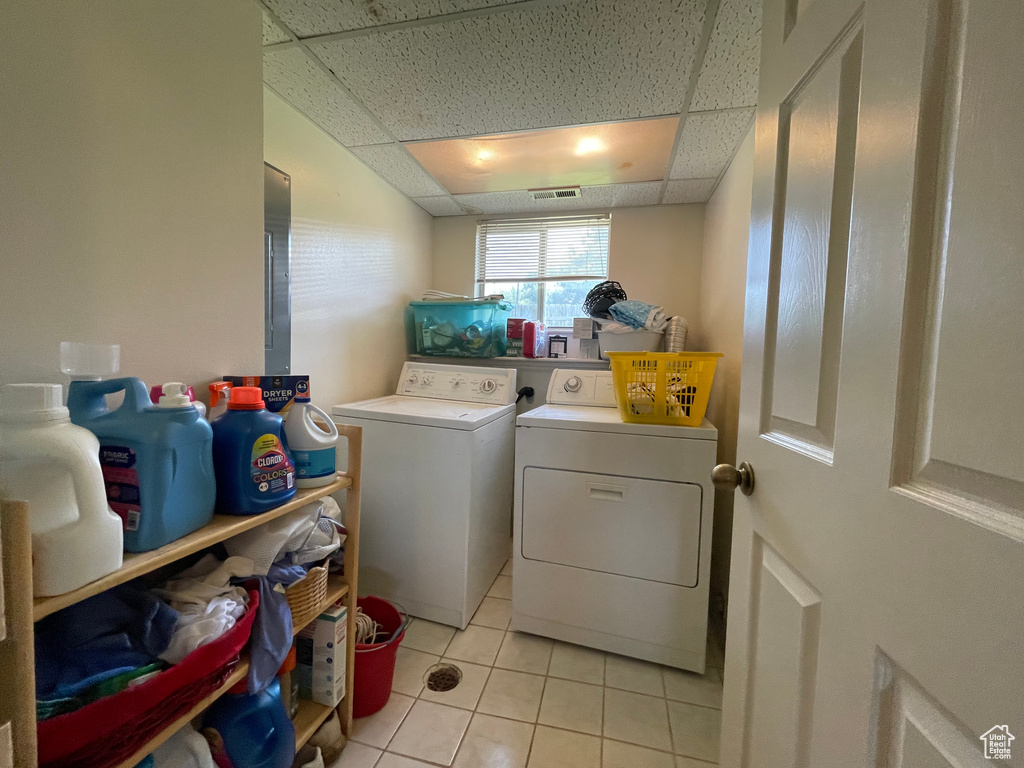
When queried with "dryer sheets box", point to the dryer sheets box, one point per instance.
{"points": [[320, 650]]}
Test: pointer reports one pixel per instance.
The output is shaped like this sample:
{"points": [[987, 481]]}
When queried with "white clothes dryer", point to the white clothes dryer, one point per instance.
{"points": [[612, 526]]}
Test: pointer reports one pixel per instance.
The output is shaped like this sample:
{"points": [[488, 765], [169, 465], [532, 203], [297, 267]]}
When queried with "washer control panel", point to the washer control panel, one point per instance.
{"points": [[576, 387], [490, 386]]}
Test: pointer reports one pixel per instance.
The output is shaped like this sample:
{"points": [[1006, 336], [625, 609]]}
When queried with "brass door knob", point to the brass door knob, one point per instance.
{"points": [[726, 477]]}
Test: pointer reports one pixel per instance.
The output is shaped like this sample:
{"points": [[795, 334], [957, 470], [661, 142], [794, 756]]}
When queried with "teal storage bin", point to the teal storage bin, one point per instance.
{"points": [[460, 328], [157, 461]]}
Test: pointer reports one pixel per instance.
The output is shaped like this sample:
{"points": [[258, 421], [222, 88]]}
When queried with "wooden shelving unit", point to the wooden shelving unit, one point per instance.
{"points": [[233, 679], [222, 527], [310, 715]]}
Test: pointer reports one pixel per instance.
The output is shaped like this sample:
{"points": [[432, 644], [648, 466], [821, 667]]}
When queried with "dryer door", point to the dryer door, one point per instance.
{"points": [[645, 529]]}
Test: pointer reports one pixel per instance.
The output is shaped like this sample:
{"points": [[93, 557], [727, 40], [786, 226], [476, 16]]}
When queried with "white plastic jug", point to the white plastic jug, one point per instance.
{"points": [[312, 448], [54, 466]]}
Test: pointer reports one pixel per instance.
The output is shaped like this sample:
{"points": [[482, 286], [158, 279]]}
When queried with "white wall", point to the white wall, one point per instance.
{"points": [[723, 288], [131, 185], [654, 251], [360, 252]]}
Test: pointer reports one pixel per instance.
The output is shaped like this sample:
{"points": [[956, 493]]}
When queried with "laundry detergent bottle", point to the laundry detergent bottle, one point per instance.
{"points": [[54, 466], [312, 447], [255, 727], [157, 460], [255, 469], [219, 393]]}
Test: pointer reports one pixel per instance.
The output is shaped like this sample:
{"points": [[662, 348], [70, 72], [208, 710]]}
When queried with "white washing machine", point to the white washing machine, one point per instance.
{"points": [[437, 487], [612, 533]]}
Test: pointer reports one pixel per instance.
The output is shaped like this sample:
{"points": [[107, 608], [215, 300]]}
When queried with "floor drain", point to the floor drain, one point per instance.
{"points": [[443, 677]]}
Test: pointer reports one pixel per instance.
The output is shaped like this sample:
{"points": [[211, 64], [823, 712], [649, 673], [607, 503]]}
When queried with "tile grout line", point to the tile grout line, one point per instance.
{"points": [[536, 723], [475, 712]]}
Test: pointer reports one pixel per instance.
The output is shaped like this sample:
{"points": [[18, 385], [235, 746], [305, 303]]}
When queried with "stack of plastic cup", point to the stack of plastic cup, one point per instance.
{"points": [[675, 334]]}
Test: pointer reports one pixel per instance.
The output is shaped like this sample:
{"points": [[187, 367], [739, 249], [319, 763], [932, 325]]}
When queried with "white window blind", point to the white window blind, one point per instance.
{"points": [[542, 250]]}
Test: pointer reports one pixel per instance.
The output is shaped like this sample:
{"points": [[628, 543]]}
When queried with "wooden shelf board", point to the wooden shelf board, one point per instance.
{"points": [[337, 588], [309, 717], [234, 678], [222, 527]]}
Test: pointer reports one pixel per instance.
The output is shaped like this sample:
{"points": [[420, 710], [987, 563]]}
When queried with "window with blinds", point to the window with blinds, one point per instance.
{"points": [[545, 267]]}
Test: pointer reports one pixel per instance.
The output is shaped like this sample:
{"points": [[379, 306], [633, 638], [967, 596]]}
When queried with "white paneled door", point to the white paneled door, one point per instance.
{"points": [[876, 614]]}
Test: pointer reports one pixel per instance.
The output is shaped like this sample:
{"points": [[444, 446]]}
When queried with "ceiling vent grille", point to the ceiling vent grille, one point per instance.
{"points": [[552, 193]]}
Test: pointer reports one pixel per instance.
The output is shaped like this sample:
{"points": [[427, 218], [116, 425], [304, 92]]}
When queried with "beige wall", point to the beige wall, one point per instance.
{"points": [[131, 186], [360, 253], [654, 251], [723, 288]]}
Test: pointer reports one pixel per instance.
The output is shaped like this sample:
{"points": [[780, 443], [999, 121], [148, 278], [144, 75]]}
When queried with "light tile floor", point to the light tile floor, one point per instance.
{"points": [[530, 702]]}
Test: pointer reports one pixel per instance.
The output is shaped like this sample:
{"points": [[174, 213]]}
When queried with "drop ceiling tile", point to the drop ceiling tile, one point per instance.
{"points": [[622, 195], [728, 77], [271, 32], [688, 191], [708, 142], [395, 166], [322, 17], [301, 82], [519, 201], [439, 206], [565, 64]]}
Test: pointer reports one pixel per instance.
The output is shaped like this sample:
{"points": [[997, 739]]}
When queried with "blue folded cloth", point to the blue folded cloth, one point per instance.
{"points": [[271, 637], [113, 632], [639, 315]]}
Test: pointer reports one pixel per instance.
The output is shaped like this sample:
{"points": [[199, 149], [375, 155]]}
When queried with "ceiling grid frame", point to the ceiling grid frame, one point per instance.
{"points": [[710, 16], [341, 86], [396, 26], [448, 204]]}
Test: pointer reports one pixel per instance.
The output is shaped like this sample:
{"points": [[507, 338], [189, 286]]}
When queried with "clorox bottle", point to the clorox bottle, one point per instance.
{"points": [[157, 460], [255, 470], [312, 447]]}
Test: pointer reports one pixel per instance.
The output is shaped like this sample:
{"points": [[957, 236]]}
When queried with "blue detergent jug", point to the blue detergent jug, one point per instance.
{"points": [[255, 727], [157, 460], [255, 470]]}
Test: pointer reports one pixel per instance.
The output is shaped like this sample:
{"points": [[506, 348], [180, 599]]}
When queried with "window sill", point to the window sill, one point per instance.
{"points": [[515, 362]]}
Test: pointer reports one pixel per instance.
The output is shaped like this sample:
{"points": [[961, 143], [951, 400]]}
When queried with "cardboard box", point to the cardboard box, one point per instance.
{"points": [[320, 650], [278, 391], [514, 334], [583, 328], [590, 349]]}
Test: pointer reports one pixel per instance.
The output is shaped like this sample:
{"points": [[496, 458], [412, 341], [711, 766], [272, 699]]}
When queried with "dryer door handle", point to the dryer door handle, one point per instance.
{"points": [[606, 492]]}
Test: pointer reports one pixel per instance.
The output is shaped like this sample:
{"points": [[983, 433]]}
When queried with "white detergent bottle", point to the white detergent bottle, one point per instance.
{"points": [[54, 466], [312, 448]]}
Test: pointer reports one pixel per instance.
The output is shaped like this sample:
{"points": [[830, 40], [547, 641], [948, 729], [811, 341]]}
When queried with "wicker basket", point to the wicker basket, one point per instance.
{"points": [[306, 598]]}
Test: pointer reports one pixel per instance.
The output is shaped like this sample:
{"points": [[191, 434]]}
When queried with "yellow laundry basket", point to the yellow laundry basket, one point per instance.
{"points": [[663, 387]]}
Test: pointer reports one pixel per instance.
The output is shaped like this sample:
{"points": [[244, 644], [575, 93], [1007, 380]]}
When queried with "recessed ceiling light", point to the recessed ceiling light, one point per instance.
{"points": [[586, 155], [588, 145]]}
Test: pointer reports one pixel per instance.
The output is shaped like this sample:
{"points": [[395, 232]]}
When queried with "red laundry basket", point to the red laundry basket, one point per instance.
{"points": [[375, 662], [110, 730]]}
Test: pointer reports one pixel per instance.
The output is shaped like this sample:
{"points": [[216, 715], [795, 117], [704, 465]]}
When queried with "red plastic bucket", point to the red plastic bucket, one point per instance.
{"points": [[375, 663]]}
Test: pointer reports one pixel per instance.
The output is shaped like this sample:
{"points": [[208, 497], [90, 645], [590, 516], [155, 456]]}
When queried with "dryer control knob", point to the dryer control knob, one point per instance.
{"points": [[573, 384], [488, 385]]}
